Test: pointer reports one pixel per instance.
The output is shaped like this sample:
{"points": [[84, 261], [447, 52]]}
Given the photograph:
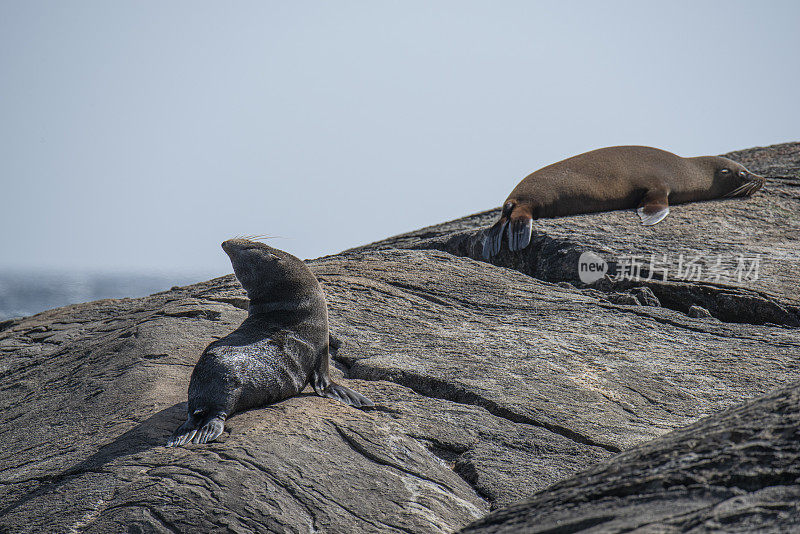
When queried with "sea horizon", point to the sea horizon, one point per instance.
{"points": [[26, 292]]}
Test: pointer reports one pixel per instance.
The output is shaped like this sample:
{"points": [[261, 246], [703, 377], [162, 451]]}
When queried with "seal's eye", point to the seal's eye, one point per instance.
{"points": [[724, 172]]}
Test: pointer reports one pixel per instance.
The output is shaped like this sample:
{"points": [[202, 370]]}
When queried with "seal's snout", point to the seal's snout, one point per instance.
{"points": [[231, 245], [228, 246], [756, 183]]}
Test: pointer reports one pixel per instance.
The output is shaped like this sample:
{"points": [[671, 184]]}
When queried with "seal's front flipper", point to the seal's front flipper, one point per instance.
{"points": [[654, 207], [323, 387], [198, 428], [494, 235], [519, 232], [347, 396]]}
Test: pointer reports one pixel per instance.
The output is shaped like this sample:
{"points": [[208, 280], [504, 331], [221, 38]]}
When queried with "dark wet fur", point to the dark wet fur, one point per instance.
{"points": [[282, 346]]}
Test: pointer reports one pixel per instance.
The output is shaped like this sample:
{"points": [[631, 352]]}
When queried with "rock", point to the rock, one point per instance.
{"points": [[623, 298], [698, 312], [718, 242], [737, 471], [88, 408], [640, 296], [8, 323], [493, 380], [600, 374], [645, 296]]}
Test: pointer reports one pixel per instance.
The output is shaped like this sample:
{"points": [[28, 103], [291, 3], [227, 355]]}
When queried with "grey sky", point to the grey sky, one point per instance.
{"points": [[139, 135]]}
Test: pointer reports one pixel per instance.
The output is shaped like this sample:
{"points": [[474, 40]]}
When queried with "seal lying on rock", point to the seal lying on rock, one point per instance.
{"points": [[616, 178], [275, 352]]}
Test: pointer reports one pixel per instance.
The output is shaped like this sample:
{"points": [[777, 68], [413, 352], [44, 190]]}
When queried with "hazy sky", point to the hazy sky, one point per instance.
{"points": [[139, 135]]}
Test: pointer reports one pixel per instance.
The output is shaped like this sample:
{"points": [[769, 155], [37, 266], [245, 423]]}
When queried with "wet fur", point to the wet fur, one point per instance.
{"points": [[281, 347]]}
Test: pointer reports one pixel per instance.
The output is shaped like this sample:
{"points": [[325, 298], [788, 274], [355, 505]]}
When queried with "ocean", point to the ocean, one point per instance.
{"points": [[24, 293]]}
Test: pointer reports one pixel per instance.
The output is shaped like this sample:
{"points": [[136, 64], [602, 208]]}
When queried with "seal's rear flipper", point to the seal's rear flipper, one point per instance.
{"points": [[324, 387], [183, 434], [653, 208], [519, 232], [198, 428], [652, 218]]}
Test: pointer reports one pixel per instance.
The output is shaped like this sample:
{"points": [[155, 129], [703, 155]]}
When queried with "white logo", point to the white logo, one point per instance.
{"points": [[591, 267]]}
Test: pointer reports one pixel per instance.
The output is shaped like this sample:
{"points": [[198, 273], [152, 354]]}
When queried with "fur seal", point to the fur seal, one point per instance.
{"points": [[615, 178], [281, 346]]}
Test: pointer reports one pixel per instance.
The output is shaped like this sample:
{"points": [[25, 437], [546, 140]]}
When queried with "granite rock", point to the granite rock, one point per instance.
{"points": [[493, 380]]}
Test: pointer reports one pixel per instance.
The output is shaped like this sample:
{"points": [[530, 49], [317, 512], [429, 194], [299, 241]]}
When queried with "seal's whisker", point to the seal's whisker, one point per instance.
{"points": [[738, 190], [262, 237]]}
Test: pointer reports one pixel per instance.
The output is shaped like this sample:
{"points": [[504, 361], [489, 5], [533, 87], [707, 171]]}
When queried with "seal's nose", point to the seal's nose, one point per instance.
{"points": [[227, 246], [756, 182]]}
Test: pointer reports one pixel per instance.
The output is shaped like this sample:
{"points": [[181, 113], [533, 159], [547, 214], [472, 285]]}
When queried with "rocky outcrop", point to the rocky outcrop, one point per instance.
{"points": [[738, 471], [738, 259], [493, 381]]}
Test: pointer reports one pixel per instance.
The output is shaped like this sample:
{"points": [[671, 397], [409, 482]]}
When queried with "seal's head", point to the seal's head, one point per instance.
{"points": [[732, 179], [267, 273]]}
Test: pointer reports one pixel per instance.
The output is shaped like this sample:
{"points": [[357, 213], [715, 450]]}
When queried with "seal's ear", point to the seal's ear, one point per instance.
{"points": [[654, 207]]}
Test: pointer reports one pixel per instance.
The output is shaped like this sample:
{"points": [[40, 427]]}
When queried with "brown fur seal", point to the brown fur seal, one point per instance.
{"points": [[616, 178], [281, 346]]}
